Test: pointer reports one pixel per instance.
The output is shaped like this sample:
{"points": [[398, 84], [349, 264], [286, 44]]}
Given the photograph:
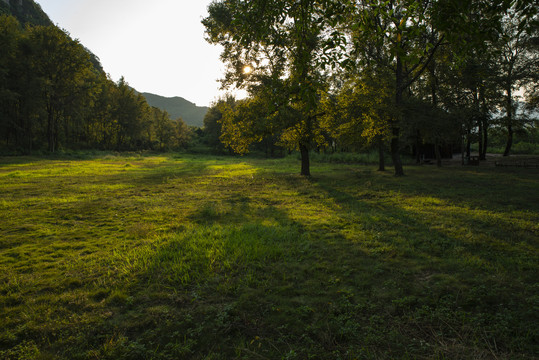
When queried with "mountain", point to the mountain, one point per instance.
{"points": [[29, 12], [26, 12], [178, 107]]}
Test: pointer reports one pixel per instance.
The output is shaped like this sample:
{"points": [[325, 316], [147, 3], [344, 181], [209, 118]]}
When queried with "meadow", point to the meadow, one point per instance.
{"points": [[179, 256]]}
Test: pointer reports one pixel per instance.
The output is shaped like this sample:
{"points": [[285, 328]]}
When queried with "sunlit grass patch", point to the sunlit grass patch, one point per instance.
{"points": [[233, 170]]}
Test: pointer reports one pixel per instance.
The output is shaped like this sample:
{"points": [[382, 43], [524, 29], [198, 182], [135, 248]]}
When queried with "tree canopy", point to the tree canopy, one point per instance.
{"points": [[54, 95], [313, 68]]}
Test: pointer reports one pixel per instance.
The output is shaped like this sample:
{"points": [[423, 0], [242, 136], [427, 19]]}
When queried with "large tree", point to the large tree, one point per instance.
{"points": [[517, 62], [401, 36], [278, 50], [405, 35], [63, 72], [10, 34]]}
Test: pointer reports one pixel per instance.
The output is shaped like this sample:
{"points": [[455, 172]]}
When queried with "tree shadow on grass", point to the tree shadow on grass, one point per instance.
{"points": [[445, 233], [225, 277], [472, 272], [253, 277]]}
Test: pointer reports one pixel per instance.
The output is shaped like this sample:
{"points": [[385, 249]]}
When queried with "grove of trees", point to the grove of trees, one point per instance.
{"points": [[421, 77], [396, 74], [55, 95]]}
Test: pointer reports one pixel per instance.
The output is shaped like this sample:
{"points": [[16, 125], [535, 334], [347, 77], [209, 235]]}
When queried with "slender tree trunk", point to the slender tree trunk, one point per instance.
{"points": [[480, 125], [434, 95], [509, 140], [395, 151], [484, 120], [478, 119], [395, 156], [381, 160], [418, 147], [462, 148], [305, 164], [56, 136], [485, 136], [509, 109], [69, 134], [468, 142], [437, 153], [50, 128]]}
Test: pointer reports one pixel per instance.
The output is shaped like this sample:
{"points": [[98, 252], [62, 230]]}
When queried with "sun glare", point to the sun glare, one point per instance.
{"points": [[247, 69]]}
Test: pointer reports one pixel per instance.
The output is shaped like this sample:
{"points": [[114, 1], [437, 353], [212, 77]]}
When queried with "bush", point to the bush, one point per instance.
{"points": [[525, 148]]}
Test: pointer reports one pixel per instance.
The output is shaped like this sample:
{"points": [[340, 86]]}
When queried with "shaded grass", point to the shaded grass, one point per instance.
{"points": [[177, 256]]}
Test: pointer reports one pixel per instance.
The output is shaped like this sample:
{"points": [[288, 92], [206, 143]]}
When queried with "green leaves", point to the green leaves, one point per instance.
{"points": [[54, 95], [293, 42]]}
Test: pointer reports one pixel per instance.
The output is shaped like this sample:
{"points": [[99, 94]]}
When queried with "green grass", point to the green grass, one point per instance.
{"points": [[185, 257]]}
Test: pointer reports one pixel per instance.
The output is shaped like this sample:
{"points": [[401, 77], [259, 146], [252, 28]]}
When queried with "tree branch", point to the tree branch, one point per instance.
{"points": [[429, 59]]}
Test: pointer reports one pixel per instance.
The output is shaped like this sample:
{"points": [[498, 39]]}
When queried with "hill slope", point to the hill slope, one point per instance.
{"points": [[178, 107], [26, 11], [29, 12]]}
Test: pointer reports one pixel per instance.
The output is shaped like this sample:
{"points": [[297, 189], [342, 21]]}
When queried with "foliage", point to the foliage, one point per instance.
{"points": [[213, 128], [130, 257], [518, 63], [27, 12], [53, 96], [361, 109], [287, 44]]}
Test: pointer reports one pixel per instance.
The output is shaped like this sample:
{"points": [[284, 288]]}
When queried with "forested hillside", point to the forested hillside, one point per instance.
{"points": [[178, 107], [55, 95], [26, 12]]}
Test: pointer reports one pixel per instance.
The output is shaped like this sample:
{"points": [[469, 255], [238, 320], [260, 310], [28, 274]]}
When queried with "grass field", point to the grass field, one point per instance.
{"points": [[199, 257]]}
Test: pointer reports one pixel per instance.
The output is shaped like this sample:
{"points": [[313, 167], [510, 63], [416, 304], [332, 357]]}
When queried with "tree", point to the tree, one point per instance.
{"points": [[360, 111], [517, 63], [132, 114], [64, 71], [405, 35], [404, 39], [277, 50], [212, 122], [10, 34], [168, 133], [54, 93]]}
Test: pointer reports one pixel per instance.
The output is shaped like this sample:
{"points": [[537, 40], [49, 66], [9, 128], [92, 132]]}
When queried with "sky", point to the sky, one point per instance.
{"points": [[157, 45]]}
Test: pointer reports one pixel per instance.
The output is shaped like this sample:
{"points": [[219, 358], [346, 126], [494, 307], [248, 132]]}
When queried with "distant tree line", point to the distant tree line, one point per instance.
{"points": [[55, 95], [401, 75]]}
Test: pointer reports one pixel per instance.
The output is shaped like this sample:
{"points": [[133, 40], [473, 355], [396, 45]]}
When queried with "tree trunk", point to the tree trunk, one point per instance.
{"points": [[433, 89], [395, 151], [305, 164], [480, 125], [509, 109], [468, 142], [437, 152], [418, 147], [477, 119], [381, 160], [56, 133], [50, 129], [485, 137], [509, 140], [484, 120], [395, 156]]}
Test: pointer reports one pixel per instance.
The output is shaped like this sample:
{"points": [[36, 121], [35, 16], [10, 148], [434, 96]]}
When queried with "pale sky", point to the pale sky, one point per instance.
{"points": [[157, 45]]}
